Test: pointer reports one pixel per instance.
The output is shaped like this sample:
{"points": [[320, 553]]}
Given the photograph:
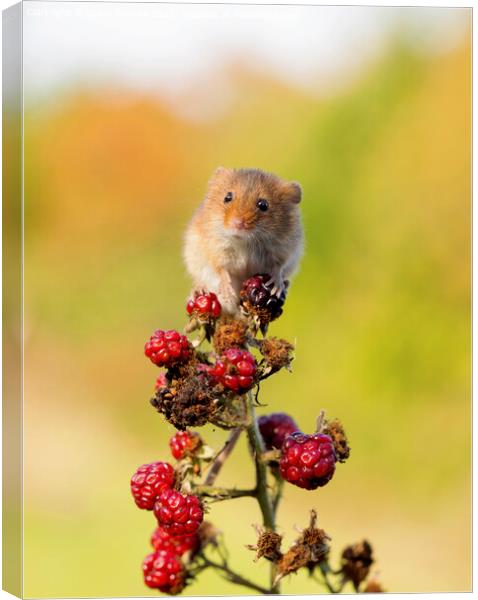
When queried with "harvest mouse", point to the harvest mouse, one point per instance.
{"points": [[248, 223]]}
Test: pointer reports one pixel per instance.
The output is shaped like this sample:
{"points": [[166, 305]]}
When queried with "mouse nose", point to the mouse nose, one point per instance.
{"points": [[239, 224]]}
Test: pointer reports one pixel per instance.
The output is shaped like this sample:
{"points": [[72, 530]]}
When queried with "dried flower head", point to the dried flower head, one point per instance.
{"points": [[308, 551], [268, 545], [278, 353], [230, 333], [187, 402], [356, 562]]}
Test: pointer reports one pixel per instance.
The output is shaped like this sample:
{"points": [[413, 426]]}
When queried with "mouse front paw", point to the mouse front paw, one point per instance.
{"points": [[277, 284]]}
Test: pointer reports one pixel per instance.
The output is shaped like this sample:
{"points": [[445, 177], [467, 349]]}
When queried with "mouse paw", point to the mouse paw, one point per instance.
{"points": [[279, 286]]}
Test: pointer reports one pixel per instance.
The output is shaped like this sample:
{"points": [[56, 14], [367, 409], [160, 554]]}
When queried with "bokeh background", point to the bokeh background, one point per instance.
{"points": [[128, 109]]}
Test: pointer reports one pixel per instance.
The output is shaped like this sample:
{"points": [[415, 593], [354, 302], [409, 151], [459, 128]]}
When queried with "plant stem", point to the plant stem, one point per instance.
{"points": [[235, 577], [262, 492], [222, 456], [219, 493]]}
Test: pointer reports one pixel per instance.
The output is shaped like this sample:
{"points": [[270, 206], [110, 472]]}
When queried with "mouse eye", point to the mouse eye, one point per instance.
{"points": [[228, 197], [262, 204]]}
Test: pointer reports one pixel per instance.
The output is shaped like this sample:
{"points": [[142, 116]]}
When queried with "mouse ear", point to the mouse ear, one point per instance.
{"points": [[292, 192], [220, 171]]}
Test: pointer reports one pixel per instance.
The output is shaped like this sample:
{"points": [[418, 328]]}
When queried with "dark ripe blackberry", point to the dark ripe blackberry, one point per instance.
{"points": [[257, 299], [275, 428]]}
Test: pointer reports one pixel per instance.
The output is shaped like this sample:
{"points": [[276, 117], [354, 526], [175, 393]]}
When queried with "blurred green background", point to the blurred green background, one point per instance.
{"points": [[380, 312]]}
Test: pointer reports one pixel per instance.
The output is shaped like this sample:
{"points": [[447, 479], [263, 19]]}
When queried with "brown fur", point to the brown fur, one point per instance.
{"points": [[228, 242]]}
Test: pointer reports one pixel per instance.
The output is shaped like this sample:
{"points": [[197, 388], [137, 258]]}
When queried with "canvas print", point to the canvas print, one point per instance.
{"points": [[246, 300]]}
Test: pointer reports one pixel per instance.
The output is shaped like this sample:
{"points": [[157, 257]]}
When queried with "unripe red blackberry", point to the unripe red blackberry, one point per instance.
{"points": [[178, 514], [257, 298], [149, 481], [164, 571], [307, 461], [204, 306], [235, 370], [162, 540], [184, 443], [275, 428], [167, 348]]}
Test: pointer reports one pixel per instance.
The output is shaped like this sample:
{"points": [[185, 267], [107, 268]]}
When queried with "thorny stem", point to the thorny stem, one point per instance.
{"points": [[262, 492], [235, 577], [219, 493], [222, 456]]}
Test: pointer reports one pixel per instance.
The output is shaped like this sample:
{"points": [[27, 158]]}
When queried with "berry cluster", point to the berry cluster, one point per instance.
{"points": [[307, 461], [164, 570], [204, 306], [199, 387], [167, 348], [275, 428], [179, 517], [177, 513], [235, 370], [149, 481], [257, 299]]}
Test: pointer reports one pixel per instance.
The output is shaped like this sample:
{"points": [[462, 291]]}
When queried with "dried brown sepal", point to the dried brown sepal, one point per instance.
{"points": [[308, 551], [230, 333], [335, 430], [268, 545], [373, 587], [277, 353], [356, 562]]}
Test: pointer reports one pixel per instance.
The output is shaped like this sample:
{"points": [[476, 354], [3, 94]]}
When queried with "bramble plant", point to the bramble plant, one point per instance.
{"points": [[219, 385]]}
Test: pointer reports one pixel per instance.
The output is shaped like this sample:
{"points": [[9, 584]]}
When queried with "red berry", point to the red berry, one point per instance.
{"points": [[178, 514], [149, 481], [307, 461], [167, 348], [275, 428], [162, 540], [235, 370], [164, 570], [184, 443], [204, 306]]}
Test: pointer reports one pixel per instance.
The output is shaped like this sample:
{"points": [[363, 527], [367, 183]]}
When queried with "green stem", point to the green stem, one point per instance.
{"points": [[262, 492], [222, 456], [235, 577], [219, 493]]}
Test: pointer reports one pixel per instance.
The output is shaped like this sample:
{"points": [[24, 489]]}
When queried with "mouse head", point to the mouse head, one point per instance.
{"points": [[252, 201]]}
